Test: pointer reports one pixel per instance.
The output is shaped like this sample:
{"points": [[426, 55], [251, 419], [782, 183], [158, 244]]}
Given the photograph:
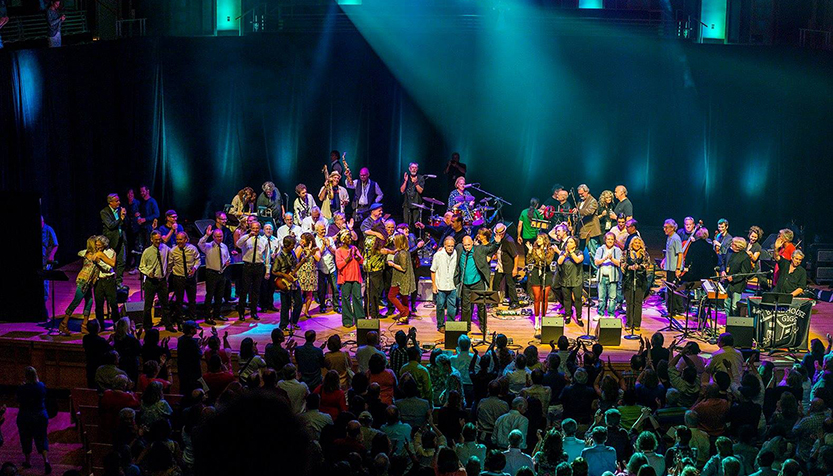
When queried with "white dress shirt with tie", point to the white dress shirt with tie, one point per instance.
{"points": [[285, 230], [216, 256], [247, 244], [150, 264], [185, 260]]}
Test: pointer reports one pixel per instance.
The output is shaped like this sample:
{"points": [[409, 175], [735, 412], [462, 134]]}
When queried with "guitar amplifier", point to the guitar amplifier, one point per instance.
{"points": [[609, 331], [363, 326], [424, 291], [453, 331], [742, 329], [552, 328]]}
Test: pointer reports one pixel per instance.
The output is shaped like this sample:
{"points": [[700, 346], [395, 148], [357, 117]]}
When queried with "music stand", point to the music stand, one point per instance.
{"points": [[52, 275], [484, 298], [774, 300]]}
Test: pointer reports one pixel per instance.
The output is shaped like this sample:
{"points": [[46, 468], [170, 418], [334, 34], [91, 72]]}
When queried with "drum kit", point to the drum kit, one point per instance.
{"points": [[472, 216]]}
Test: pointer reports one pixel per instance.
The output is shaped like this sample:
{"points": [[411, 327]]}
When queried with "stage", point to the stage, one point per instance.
{"points": [[30, 343]]}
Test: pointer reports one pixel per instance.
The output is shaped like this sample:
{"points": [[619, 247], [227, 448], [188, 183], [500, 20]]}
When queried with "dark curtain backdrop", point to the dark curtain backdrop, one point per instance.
{"points": [[711, 131]]}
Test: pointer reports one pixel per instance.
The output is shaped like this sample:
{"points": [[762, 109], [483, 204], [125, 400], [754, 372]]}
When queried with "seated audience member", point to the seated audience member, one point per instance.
{"points": [[599, 457], [514, 420]]}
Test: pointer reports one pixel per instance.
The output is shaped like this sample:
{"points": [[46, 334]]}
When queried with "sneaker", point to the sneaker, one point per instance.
{"points": [[567, 320], [210, 322], [595, 318]]}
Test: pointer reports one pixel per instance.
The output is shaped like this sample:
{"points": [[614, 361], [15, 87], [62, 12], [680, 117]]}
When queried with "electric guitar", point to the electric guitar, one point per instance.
{"points": [[284, 281]]}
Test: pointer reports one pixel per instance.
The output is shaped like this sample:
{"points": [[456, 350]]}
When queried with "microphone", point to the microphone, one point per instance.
{"points": [[430, 176], [470, 185]]}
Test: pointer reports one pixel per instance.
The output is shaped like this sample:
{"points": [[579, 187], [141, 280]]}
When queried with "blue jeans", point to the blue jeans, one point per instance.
{"points": [[607, 296], [79, 295], [730, 303], [446, 302]]}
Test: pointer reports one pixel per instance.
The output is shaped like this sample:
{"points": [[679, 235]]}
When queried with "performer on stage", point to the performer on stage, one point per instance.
{"points": [[243, 202], [620, 231], [700, 261], [367, 193], [607, 219], [334, 198], [539, 262], [255, 263], [793, 278], [340, 223], [112, 220], [570, 277], [456, 200], [374, 254], [148, 212], [507, 267], [737, 262], [155, 265], [454, 169], [722, 241], [184, 261], [49, 247], [472, 271], [608, 259], [673, 266], [412, 186], [635, 266], [217, 257], [443, 268], [784, 249], [348, 262], [308, 253], [525, 230], [623, 205], [326, 269], [84, 282], [303, 204], [373, 219], [105, 284], [452, 226], [402, 282], [589, 228], [266, 300], [314, 217], [687, 230], [753, 247], [558, 237], [170, 228], [285, 263], [271, 199], [288, 228]]}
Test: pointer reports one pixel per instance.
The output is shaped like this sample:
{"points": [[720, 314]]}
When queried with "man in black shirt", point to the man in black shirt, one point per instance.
{"points": [[793, 277], [700, 259], [454, 169], [624, 205], [452, 226], [95, 347], [189, 358], [412, 186], [508, 257]]}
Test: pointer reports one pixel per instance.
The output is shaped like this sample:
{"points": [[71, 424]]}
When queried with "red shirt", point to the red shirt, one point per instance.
{"points": [[348, 270], [332, 403], [387, 381], [112, 403], [224, 357], [217, 382], [787, 253], [144, 381]]}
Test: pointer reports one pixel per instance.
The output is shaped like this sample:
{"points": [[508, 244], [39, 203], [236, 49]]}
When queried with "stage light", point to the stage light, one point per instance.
{"points": [[713, 14], [227, 13]]}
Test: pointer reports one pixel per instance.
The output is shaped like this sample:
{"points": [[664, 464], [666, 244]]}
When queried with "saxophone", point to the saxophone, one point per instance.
{"points": [[347, 173], [327, 184]]}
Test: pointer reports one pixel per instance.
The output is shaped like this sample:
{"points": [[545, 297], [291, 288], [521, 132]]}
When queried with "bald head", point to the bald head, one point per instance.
{"points": [[182, 239], [468, 243]]}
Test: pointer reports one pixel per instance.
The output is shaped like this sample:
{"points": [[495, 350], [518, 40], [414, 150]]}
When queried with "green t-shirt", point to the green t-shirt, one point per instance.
{"points": [[527, 232]]}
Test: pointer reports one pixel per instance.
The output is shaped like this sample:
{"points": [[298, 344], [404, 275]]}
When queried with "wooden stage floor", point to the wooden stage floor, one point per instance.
{"points": [[517, 328]]}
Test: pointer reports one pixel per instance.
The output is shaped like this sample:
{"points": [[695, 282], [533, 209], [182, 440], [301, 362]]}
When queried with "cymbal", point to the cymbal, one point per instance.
{"points": [[464, 198], [419, 205], [432, 201]]}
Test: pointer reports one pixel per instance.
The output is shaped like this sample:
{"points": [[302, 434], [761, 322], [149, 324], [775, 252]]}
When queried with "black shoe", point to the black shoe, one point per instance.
{"points": [[255, 317], [567, 320], [170, 328], [210, 322], [47, 468], [514, 306], [579, 322], [221, 318]]}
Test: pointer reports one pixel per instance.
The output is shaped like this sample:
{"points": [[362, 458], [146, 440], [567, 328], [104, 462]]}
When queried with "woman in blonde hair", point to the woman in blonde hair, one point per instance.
{"points": [[83, 288], [635, 268], [539, 262], [402, 282], [604, 210]]}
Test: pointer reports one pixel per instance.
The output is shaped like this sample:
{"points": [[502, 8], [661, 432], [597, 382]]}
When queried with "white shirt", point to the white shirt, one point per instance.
{"points": [[285, 230], [247, 244], [442, 265], [104, 269], [327, 263], [621, 235], [505, 424], [297, 392], [149, 264], [302, 210], [308, 224], [214, 260], [189, 266]]}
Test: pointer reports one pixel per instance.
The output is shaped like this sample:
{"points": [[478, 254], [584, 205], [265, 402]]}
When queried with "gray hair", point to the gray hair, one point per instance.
{"points": [[799, 254], [519, 403], [671, 222], [267, 185], [103, 239], [583, 187]]}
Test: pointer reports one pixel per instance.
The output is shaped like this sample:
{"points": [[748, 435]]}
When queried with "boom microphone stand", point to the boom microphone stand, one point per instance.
{"points": [[631, 336]]}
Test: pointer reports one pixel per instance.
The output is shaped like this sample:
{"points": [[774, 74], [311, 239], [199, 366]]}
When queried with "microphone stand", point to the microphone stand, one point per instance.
{"points": [[493, 196], [631, 336], [587, 335]]}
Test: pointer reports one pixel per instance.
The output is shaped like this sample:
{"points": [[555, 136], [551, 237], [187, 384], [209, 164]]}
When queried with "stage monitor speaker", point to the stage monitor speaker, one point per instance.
{"points": [[453, 331], [363, 326], [552, 328], [135, 311], [610, 331], [424, 291], [742, 329]]}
